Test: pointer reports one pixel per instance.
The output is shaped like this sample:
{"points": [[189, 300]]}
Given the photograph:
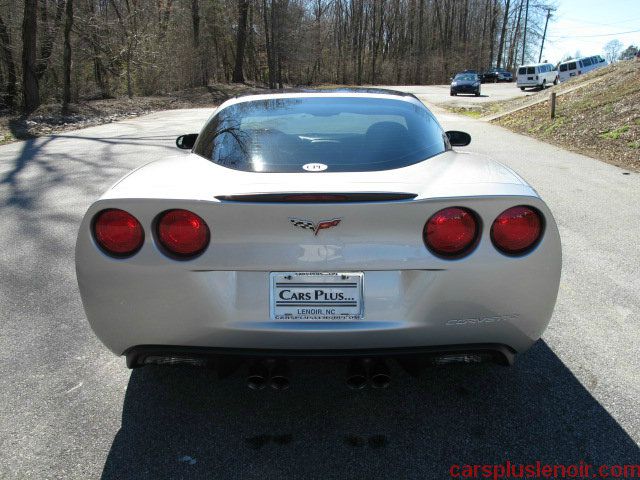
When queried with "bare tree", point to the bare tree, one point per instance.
{"points": [[503, 33], [241, 38], [7, 56], [66, 89], [30, 87], [612, 50], [144, 47]]}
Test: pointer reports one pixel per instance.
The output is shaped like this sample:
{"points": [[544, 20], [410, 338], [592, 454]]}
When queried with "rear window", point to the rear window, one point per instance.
{"points": [[572, 66], [346, 134], [526, 70]]}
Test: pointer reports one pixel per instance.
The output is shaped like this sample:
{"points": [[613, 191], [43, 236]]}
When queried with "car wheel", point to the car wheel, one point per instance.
{"points": [[544, 85], [478, 93], [555, 81], [522, 88]]}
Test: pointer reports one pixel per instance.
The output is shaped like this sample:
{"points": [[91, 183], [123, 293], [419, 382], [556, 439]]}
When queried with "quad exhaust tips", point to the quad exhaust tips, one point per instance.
{"points": [[274, 373], [363, 371], [360, 373]]}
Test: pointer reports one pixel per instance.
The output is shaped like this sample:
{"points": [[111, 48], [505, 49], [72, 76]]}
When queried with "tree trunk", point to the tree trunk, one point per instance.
{"points": [[267, 43], [50, 33], [243, 9], [503, 34], [201, 73], [7, 56], [66, 59], [420, 45], [492, 31], [30, 89], [513, 50]]}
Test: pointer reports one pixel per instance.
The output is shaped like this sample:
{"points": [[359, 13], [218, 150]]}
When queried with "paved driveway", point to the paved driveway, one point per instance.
{"points": [[69, 409], [490, 92]]}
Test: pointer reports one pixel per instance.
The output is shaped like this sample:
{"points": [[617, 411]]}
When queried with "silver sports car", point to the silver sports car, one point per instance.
{"points": [[319, 223]]}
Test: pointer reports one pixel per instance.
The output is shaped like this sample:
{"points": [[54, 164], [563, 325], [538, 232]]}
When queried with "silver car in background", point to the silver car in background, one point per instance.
{"points": [[333, 223]]}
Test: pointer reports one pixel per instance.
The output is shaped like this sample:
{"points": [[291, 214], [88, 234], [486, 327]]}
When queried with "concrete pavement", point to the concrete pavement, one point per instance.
{"points": [[439, 94], [69, 409]]}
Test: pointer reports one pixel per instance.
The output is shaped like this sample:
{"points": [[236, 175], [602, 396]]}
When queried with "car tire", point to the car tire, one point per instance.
{"points": [[478, 93], [555, 81], [522, 88], [544, 85]]}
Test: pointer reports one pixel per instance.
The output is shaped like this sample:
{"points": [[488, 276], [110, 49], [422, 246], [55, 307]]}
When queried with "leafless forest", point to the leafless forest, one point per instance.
{"points": [[65, 50]]}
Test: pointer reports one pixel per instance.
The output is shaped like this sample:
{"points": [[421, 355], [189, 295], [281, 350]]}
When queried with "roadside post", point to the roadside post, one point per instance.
{"points": [[553, 105]]}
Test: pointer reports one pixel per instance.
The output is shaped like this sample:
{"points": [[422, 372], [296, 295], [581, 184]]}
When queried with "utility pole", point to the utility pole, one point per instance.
{"points": [[524, 37], [544, 34]]}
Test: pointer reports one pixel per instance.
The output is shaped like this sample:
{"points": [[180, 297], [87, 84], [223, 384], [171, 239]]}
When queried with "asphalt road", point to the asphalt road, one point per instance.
{"points": [[489, 92], [69, 409]]}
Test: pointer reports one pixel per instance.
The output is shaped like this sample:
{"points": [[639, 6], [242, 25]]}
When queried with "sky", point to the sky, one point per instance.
{"points": [[587, 25]]}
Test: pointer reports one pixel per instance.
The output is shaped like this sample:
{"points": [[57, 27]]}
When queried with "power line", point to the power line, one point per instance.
{"points": [[578, 20], [598, 35]]}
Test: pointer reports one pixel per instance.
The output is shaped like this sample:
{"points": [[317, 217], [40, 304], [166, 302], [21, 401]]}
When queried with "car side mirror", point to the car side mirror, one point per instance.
{"points": [[458, 139], [186, 142]]}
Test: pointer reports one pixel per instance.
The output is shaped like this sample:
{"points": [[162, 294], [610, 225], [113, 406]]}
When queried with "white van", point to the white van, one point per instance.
{"points": [[538, 75], [580, 66]]}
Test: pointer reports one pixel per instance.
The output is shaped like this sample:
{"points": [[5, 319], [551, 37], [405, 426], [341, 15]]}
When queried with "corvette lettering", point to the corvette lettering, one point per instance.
{"points": [[315, 227], [483, 320]]}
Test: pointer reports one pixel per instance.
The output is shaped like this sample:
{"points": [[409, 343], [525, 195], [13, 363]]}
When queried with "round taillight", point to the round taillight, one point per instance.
{"points": [[516, 230], [451, 232], [118, 232], [183, 233]]}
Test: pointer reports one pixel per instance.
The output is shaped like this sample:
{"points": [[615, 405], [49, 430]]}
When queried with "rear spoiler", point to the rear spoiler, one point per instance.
{"points": [[299, 197]]}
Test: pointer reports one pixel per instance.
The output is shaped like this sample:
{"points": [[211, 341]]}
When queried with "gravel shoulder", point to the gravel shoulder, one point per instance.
{"points": [[48, 119]]}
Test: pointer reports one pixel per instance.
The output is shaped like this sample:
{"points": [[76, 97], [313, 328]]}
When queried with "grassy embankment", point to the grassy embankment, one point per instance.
{"points": [[600, 119]]}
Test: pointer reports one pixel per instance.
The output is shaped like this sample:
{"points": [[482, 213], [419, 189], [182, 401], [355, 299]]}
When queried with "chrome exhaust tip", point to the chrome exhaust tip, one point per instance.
{"points": [[279, 378], [257, 376], [357, 373], [380, 374]]}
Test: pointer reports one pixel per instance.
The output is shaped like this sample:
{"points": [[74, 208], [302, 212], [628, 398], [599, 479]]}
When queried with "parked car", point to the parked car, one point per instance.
{"points": [[335, 223], [579, 66], [539, 75], [465, 83], [497, 75]]}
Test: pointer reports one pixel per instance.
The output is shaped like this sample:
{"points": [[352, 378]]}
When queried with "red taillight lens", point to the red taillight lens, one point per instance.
{"points": [[118, 232], [516, 230], [183, 233], [451, 232]]}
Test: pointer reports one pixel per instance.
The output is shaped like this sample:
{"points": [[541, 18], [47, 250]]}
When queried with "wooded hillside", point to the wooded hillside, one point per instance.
{"points": [[63, 50]]}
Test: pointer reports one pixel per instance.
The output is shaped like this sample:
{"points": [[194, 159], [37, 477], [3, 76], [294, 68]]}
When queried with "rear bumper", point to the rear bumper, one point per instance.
{"points": [[465, 89], [532, 83], [411, 298], [143, 354]]}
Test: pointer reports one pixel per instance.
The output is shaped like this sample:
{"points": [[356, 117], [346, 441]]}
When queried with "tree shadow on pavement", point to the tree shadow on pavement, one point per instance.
{"points": [[185, 423]]}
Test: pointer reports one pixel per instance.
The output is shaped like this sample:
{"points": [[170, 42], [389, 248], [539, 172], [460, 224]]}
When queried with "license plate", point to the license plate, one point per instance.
{"points": [[316, 296]]}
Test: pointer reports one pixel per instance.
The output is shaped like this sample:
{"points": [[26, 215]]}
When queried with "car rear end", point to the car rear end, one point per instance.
{"points": [[527, 77], [505, 76], [260, 281], [263, 255]]}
